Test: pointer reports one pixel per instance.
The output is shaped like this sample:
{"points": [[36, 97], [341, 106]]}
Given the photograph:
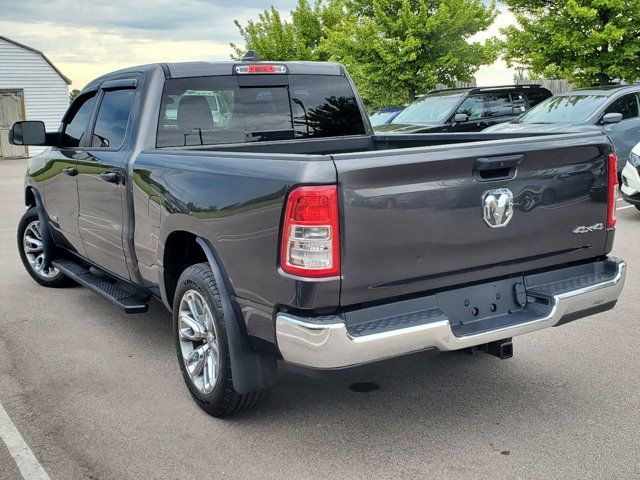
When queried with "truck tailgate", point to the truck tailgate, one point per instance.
{"points": [[427, 218]]}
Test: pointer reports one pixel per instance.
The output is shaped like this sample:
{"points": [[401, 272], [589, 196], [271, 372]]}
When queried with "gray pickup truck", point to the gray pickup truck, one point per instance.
{"points": [[254, 201]]}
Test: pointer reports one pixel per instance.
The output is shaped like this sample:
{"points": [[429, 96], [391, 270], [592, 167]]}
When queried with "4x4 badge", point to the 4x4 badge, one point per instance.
{"points": [[588, 229], [497, 207]]}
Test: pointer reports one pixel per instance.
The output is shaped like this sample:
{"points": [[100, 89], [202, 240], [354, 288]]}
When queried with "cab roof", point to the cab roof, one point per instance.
{"points": [[206, 69]]}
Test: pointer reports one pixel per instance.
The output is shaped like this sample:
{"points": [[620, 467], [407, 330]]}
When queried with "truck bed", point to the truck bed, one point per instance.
{"points": [[411, 208], [352, 144]]}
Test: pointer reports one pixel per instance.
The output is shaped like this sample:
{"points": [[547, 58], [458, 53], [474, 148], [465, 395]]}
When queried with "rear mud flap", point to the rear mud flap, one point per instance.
{"points": [[250, 370]]}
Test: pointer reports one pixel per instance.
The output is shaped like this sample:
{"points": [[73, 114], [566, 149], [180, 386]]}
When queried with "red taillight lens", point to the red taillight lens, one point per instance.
{"points": [[310, 232], [613, 184]]}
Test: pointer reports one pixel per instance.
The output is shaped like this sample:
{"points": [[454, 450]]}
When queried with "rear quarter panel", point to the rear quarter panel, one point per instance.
{"points": [[234, 201]]}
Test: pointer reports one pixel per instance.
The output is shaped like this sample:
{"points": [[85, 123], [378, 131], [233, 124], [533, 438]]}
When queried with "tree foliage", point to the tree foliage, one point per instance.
{"points": [[73, 94], [586, 41], [298, 39], [396, 49]]}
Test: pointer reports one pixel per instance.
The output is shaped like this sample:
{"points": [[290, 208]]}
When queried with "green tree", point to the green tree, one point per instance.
{"points": [[550, 72], [396, 49], [587, 42], [521, 75], [277, 39], [73, 94]]}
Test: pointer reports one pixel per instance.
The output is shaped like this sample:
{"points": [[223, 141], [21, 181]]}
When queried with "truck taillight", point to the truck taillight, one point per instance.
{"points": [[613, 184], [310, 232]]}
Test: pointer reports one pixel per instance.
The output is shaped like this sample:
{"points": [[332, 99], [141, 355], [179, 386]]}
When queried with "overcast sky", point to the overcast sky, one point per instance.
{"points": [[86, 38]]}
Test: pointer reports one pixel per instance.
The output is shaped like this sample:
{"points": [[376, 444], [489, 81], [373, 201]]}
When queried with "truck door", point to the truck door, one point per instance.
{"points": [[59, 175], [102, 176]]}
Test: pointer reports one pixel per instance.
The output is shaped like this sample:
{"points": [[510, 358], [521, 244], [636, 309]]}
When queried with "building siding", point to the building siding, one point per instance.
{"points": [[46, 94]]}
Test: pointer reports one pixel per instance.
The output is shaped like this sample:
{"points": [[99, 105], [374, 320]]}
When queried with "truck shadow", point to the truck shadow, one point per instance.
{"points": [[427, 406], [408, 394]]}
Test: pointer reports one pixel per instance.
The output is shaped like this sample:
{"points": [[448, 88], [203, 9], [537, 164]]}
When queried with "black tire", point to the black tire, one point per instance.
{"points": [[637, 206], [223, 400], [55, 280]]}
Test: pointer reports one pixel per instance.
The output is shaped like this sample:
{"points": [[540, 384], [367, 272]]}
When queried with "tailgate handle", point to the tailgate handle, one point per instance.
{"points": [[488, 169]]}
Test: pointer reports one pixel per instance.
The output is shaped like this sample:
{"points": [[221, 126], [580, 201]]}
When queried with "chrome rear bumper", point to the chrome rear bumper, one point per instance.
{"points": [[328, 343]]}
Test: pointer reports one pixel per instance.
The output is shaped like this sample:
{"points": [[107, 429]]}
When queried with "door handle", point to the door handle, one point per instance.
{"points": [[72, 172], [111, 177]]}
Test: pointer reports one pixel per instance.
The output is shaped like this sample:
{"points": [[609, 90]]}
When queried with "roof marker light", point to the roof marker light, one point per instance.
{"points": [[260, 68]]}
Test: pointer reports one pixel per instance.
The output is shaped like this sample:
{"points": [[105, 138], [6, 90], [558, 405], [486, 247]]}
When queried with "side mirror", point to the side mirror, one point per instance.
{"points": [[461, 118], [28, 133], [610, 118]]}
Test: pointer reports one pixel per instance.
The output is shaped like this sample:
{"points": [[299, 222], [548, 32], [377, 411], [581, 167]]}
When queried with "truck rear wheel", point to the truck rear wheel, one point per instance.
{"points": [[202, 347], [31, 247]]}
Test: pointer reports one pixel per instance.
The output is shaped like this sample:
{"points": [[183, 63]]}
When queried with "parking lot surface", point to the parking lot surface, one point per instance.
{"points": [[97, 394]]}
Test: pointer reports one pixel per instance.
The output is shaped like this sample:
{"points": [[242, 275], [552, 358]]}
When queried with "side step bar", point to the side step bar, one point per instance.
{"points": [[113, 290]]}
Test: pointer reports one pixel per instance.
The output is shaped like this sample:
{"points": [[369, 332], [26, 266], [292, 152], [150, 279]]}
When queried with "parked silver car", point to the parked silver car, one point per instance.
{"points": [[612, 109]]}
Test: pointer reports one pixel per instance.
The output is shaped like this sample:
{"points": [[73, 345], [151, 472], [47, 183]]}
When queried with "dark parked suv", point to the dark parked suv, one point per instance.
{"points": [[466, 109]]}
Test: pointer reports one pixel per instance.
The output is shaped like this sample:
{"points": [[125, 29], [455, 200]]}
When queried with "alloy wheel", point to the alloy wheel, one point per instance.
{"points": [[34, 250], [199, 341]]}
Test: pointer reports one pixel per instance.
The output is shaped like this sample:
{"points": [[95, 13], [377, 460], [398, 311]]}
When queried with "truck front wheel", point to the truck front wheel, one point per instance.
{"points": [[31, 246], [202, 346]]}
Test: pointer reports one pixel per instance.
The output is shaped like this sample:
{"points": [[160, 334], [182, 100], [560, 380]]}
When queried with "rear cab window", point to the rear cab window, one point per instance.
{"points": [[223, 109]]}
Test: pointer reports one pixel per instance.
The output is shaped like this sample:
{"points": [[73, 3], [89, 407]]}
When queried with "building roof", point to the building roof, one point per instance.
{"points": [[37, 52]]}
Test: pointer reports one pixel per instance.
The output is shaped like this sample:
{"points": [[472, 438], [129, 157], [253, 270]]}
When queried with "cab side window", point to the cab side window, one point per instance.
{"points": [[76, 125], [518, 103], [113, 118], [627, 105], [499, 105], [473, 107]]}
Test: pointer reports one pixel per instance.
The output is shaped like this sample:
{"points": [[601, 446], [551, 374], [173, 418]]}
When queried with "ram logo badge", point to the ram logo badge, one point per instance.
{"points": [[497, 207], [588, 229]]}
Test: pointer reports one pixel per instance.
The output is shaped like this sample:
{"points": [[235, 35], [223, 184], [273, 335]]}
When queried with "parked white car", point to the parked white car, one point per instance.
{"points": [[631, 178]]}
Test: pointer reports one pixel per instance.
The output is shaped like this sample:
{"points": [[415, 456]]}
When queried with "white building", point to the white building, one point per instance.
{"points": [[31, 88]]}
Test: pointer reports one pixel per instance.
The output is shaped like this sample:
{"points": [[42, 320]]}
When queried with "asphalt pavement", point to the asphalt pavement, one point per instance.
{"points": [[97, 394]]}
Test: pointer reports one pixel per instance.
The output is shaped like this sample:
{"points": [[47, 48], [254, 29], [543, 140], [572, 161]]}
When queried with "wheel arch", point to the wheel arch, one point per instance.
{"points": [[30, 197], [181, 250], [251, 370]]}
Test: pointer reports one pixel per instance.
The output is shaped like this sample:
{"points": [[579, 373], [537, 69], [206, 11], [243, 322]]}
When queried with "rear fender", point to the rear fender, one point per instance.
{"points": [[250, 370]]}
